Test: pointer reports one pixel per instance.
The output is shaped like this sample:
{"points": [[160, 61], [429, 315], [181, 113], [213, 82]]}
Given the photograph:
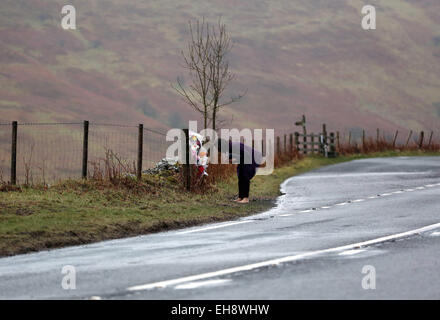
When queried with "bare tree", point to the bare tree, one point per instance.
{"points": [[220, 74], [206, 61], [196, 60]]}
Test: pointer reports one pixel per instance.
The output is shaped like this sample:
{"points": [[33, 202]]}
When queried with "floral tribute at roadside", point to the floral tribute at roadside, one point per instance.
{"points": [[197, 152]]}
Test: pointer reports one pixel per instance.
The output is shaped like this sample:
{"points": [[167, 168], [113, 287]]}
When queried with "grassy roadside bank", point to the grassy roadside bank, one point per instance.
{"points": [[75, 213]]}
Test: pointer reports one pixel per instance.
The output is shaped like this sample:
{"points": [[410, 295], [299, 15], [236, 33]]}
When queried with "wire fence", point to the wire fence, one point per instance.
{"points": [[352, 141], [50, 152], [397, 139], [355, 136]]}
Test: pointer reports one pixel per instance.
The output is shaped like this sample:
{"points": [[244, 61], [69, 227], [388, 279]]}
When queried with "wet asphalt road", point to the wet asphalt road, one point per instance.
{"points": [[334, 206]]}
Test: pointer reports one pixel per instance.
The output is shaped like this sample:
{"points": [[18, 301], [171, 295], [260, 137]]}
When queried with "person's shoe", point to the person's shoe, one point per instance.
{"points": [[237, 200], [244, 200]]}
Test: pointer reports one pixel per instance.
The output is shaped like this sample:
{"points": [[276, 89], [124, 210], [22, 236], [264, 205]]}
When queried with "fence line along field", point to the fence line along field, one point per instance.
{"points": [[46, 153], [51, 152]]}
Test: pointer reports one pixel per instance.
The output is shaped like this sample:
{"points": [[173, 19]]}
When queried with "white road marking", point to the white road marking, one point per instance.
{"points": [[351, 252], [216, 227], [435, 234], [198, 284], [362, 200], [275, 262], [356, 175], [310, 210]]}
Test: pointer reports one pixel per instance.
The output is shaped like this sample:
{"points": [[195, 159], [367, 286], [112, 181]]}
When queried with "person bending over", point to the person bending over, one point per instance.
{"points": [[247, 159]]}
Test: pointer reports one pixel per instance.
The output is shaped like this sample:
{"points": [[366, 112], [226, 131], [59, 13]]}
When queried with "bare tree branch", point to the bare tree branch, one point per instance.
{"points": [[208, 67]]}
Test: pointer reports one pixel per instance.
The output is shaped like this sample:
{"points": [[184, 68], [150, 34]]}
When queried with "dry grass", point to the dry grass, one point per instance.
{"points": [[373, 145], [111, 168]]}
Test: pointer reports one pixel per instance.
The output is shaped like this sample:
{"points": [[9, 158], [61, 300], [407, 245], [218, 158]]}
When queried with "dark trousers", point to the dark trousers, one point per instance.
{"points": [[243, 186]]}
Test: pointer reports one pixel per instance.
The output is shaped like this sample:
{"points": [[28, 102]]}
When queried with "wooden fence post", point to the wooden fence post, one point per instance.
{"points": [[324, 136], [395, 138], [140, 151], [297, 141], [291, 143], [422, 137], [278, 146], [363, 140], [430, 139], [312, 140], [85, 158], [305, 141], [349, 138], [332, 144], [409, 137], [377, 136], [14, 153], [285, 143], [337, 140], [219, 151], [187, 165]]}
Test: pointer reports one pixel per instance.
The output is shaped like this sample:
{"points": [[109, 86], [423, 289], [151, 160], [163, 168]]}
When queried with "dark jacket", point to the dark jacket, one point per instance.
{"points": [[248, 156]]}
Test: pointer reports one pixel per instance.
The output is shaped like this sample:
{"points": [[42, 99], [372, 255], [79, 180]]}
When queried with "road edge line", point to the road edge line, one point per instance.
{"points": [[274, 262]]}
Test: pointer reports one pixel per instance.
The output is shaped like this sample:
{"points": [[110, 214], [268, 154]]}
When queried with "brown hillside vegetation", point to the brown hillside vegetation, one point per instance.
{"points": [[293, 56]]}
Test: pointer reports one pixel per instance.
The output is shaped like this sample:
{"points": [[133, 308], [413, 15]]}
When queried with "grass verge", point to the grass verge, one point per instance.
{"points": [[76, 212]]}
